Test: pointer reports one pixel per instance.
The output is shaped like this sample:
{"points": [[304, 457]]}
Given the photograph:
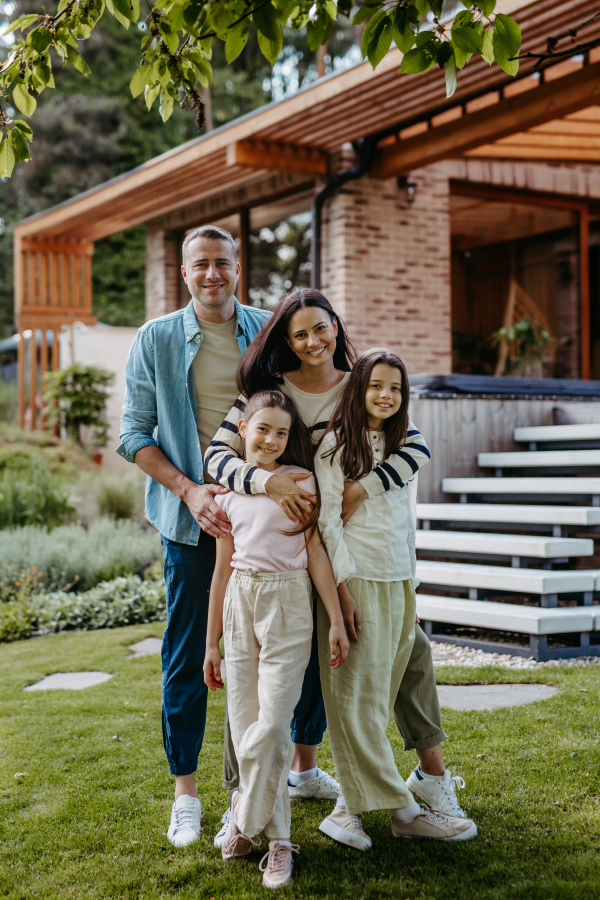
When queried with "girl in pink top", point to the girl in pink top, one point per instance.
{"points": [[261, 599]]}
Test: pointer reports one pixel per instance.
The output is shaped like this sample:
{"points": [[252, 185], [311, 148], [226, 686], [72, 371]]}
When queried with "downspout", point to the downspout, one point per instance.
{"points": [[365, 149]]}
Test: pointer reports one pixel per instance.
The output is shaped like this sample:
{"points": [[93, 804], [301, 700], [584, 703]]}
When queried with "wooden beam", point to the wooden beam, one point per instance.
{"points": [[85, 248], [584, 291], [275, 157], [21, 349], [32, 379], [43, 370], [548, 101]]}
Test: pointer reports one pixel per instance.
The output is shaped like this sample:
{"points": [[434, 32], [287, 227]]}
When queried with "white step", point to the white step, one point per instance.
{"points": [[503, 578], [539, 458], [506, 616], [521, 485], [558, 433], [503, 544], [500, 512]]}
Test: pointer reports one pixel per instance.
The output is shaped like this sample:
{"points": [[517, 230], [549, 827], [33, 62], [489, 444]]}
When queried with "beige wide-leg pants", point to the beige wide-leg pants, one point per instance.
{"points": [[360, 695], [267, 626]]}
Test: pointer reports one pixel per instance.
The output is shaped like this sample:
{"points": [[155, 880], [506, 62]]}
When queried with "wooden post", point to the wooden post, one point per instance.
{"points": [[244, 254], [56, 362], [33, 378], [43, 369], [21, 378], [584, 290]]}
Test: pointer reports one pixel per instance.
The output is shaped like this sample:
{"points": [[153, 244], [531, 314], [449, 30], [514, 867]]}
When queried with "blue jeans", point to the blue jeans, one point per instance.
{"points": [[188, 573]]}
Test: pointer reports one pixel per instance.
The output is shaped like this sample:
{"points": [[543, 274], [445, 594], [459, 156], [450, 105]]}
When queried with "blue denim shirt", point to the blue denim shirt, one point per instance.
{"points": [[160, 407]]}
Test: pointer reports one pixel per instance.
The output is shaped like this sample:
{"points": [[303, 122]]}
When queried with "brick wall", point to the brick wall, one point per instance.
{"points": [[386, 266], [162, 272]]}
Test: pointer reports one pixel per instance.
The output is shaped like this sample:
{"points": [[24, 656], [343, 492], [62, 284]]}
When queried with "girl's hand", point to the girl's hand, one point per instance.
{"points": [[338, 640], [354, 495], [212, 668], [350, 612]]}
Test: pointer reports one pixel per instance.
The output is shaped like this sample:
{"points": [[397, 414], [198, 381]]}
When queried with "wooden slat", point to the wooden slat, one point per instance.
{"points": [[84, 247], [277, 157], [575, 91], [43, 369], [505, 151], [32, 380], [21, 350]]}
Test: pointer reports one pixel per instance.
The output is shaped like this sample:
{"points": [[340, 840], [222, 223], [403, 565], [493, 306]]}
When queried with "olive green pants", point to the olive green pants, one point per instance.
{"points": [[416, 710]]}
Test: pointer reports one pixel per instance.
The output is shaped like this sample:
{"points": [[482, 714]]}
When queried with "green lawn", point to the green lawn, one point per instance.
{"points": [[88, 818]]}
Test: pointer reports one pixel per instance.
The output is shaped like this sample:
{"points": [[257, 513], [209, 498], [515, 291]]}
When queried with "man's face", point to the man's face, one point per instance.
{"points": [[210, 271]]}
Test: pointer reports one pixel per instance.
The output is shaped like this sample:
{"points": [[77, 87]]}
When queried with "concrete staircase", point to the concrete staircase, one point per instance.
{"points": [[512, 567]]}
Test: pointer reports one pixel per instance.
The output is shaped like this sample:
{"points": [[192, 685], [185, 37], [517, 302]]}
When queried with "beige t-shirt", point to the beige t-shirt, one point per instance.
{"points": [[215, 366], [315, 409]]}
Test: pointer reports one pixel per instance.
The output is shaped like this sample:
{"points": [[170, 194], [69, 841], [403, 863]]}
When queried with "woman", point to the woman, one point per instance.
{"points": [[304, 350]]}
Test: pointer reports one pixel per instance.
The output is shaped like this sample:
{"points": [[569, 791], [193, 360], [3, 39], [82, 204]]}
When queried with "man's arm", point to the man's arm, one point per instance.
{"points": [[199, 498], [223, 460]]}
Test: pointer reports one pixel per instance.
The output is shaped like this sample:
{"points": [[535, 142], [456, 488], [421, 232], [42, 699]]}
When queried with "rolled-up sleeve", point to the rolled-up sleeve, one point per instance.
{"points": [[331, 485], [139, 417], [399, 467]]}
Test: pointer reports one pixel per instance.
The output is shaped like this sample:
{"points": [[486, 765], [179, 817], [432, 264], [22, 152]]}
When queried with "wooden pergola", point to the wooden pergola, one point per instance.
{"points": [[550, 115]]}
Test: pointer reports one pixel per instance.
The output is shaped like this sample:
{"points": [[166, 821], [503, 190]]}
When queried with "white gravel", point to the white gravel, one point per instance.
{"points": [[468, 657]]}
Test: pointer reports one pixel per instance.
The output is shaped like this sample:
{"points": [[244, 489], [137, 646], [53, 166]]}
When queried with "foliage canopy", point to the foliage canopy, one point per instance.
{"points": [[178, 46]]}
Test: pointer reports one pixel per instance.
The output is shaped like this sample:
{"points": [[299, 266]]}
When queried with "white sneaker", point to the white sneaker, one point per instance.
{"points": [[321, 787], [278, 868], [345, 829], [185, 821], [220, 835], [440, 795]]}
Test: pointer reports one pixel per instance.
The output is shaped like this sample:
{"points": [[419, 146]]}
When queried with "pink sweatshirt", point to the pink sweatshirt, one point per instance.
{"points": [[257, 523]]}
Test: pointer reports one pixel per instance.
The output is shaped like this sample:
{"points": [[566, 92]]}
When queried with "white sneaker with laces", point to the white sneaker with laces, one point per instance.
{"points": [[321, 787], [279, 864], [340, 826], [440, 795], [220, 835], [185, 821]]}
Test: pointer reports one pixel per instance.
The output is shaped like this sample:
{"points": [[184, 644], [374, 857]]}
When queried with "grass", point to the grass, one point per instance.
{"points": [[88, 818]]}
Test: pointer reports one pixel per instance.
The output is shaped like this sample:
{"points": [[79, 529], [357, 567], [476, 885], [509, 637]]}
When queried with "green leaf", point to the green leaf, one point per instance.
{"points": [[501, 55], [43, 72], [40, 39], [344, 8], [418, 60], [422, 7], [236, 40], [166, 105], [140, 79], [284, 10], [403, 39], [20, 145], [364, 13], [23, 100], [204, 71], [24, 128], [380, 40], [486, 6], [78, 61], [124, 20], [7, 159], [151, 94], [171, 41], [509, 33], [467, 39], [443, 54], [461, 56], [487, 50], [368, 31], [424, 37], [331, 9], [450, 75], [270, 35], [22, 23]]}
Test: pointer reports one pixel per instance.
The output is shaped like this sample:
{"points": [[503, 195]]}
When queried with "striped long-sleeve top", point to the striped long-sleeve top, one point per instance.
{"points": [[224, 456]]}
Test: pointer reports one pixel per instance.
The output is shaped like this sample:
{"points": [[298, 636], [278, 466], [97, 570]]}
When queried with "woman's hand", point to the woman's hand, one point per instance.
{"points": [[354, 495], [338, 641], [296, 503], [350, 612], [212, 668]]}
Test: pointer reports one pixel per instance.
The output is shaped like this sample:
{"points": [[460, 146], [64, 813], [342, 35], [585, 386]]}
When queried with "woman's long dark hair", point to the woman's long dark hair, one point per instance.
{"points": [[349, 421], [299, 449], [269, 355]]}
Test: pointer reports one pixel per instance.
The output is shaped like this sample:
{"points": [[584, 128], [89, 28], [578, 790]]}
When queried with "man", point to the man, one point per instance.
{"points": [[180, 379]]}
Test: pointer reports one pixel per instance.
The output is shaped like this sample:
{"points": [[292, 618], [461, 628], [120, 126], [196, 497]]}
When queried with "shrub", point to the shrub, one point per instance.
{"points": [[127, 600], [73, 557], [34, 497], [76, 397], [9, 399], [20, 450]]}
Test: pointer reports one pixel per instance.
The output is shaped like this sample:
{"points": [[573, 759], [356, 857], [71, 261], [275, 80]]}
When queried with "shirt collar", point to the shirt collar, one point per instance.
{"points": [[192, 329]]}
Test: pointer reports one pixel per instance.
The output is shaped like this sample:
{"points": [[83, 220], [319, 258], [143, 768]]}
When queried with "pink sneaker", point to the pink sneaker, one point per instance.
{"points": [[279, 864], [235, 844]]}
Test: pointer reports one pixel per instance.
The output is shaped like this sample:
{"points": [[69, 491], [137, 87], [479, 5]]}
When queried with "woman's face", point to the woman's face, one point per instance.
{"points": [[312, 335]]}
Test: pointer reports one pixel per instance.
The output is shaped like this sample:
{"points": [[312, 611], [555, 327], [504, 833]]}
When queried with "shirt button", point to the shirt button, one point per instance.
{"points": [[191, 352]]}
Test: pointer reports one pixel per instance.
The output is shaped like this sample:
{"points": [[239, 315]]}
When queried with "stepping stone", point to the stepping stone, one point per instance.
{"points": [[492, 696], [147, 647], [69, 681]]}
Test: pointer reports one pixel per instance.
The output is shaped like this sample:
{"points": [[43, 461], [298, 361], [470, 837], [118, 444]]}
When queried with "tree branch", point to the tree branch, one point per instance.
{"points": [[553, 54]]}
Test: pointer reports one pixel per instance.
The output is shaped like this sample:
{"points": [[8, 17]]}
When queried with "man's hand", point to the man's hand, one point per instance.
{"points": [[338, 645], [212, 668], [354, 495], [296, 503], [210, 517], [350, 612]]}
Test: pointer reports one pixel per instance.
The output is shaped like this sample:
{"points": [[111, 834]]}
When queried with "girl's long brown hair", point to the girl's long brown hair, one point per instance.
{"points": [[269, 355], [349, 421], [299, 449]]}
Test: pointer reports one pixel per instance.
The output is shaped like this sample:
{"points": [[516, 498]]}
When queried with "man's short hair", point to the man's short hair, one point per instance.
{"points": [[213, 233]]}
